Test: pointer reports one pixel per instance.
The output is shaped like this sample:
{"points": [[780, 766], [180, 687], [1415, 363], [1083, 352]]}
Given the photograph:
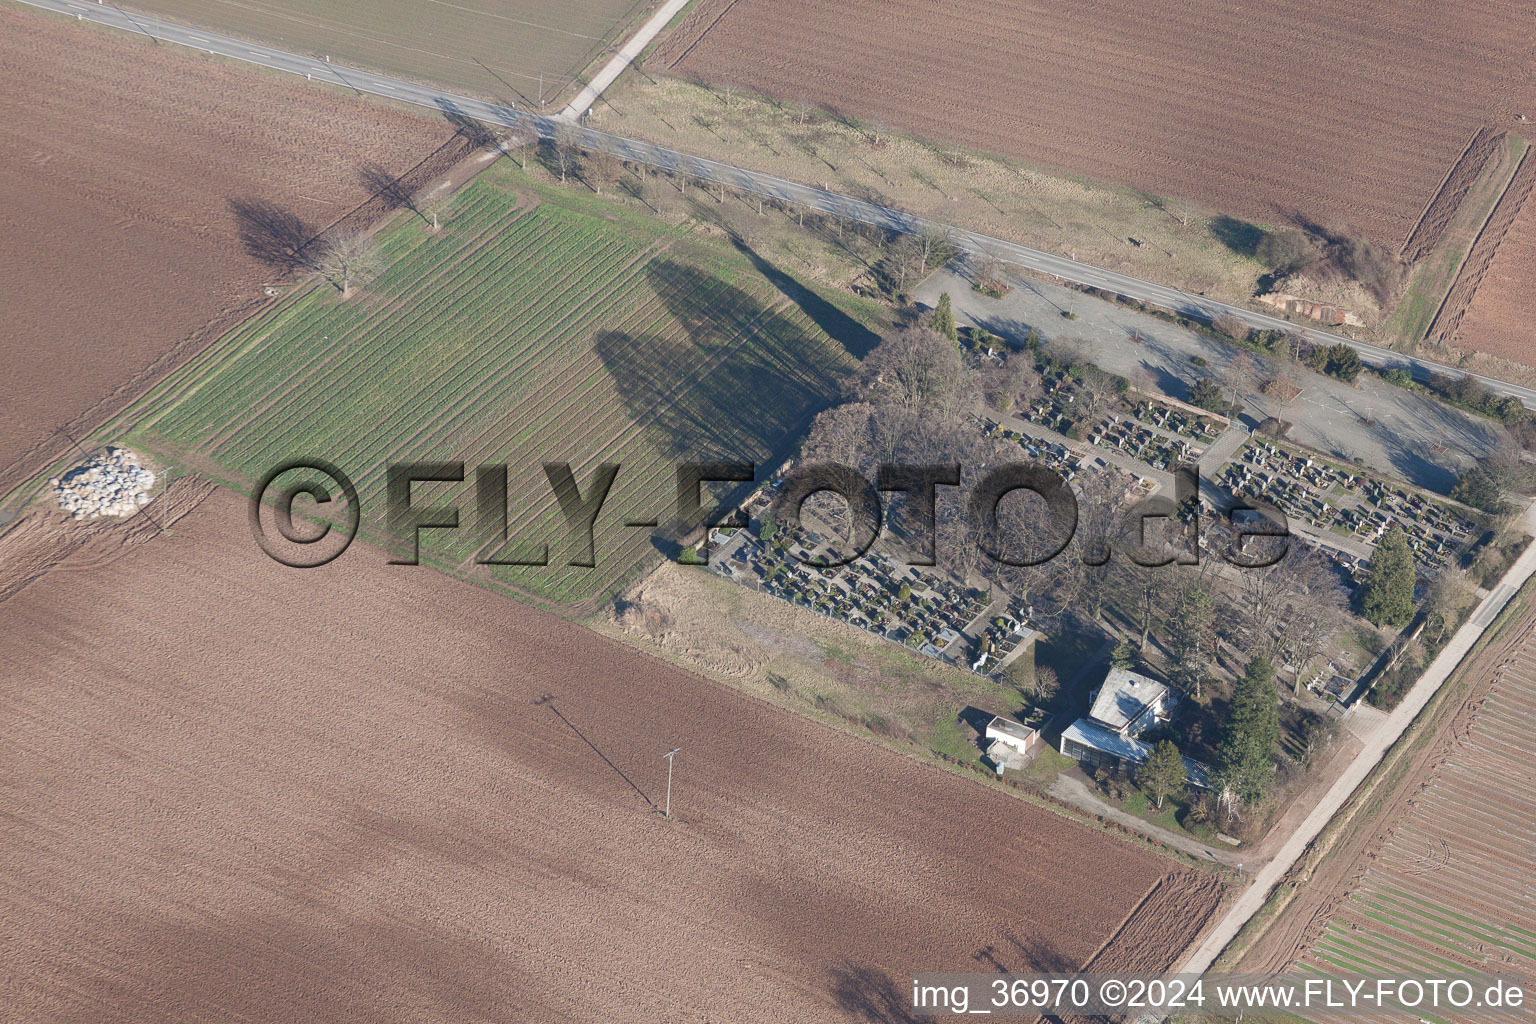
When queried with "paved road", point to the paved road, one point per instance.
{"points": [[579, 106], [1376, 746], [735, 177]]}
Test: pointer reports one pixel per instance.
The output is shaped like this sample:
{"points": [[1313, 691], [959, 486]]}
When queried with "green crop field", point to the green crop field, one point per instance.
{"points": [[499, 49], [536, 326]]}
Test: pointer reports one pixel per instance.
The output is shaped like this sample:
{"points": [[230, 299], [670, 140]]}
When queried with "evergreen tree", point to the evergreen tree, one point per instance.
{"points": [[944, 319], [767, 530], [1124, 653], [1480, 489], [1189, 639], [1163, 773], [1252, 728], [1342, 361], [1386, 599], [1206, 393]]}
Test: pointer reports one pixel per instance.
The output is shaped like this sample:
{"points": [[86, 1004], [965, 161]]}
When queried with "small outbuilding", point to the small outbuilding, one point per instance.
{"points": [[1010, 744]]}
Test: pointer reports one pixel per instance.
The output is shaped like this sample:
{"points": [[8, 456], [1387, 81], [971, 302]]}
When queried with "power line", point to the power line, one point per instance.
{"points": [[669, 755]]}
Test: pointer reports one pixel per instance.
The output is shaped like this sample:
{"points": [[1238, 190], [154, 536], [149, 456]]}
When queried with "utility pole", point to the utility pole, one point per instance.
{"points": [[669, 755]]}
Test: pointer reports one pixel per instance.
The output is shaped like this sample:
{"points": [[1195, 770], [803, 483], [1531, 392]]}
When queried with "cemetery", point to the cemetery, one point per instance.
{"points": [[1348, 502]]}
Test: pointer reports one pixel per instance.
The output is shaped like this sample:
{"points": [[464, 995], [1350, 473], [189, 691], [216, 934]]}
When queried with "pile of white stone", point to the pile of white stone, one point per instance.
{"points": [[111, 484]]}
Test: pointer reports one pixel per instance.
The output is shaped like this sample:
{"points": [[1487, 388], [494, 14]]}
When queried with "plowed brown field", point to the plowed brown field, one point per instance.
{"points": [[1500, 315], [122, 162], [1348, 112], [370, 792]]}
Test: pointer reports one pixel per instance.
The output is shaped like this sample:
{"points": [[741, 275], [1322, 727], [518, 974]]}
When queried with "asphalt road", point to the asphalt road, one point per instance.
{"points": [[319, 70]]}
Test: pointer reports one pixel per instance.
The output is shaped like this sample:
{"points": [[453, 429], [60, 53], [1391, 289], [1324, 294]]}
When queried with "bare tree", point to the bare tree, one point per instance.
{"points": [[1232, 325], [1272, 594], [1096, 390], [1448, 595], [565, 149], [1297, 344], [1015, 381], [521, 136], [601, 169], [919, 370], [1281, 386], [890, 428], [1178, 210], [1143, 379], [1240, 375], [905, 258], [936, 248], [1078, 582], [742, 226], [1310, 623], [842, 435], [439, 207], [348, 259]]}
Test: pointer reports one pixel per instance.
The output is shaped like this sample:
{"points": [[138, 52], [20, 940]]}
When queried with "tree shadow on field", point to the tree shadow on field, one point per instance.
{"points": [[1238, 235], [271, 234], [477, 133], [871, 996], [391, 190], [1040, 957], [729, 379], [362, 966], [855, 338]]}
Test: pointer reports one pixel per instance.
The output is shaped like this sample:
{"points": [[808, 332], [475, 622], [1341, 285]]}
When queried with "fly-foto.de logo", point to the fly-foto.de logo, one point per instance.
{"points": [[1018, 514]]}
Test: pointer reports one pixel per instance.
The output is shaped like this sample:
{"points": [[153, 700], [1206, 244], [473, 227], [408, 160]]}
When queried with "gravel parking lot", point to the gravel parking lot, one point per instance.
{"points": [[1410, 436]]}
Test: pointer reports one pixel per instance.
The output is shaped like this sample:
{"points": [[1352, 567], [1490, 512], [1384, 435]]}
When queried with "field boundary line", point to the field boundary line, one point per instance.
{"points": [[578, 107], [111, 409], [812, 197], [1434, 196], [1386, 782], [322, 366], [1477, 263], [702, 33]]}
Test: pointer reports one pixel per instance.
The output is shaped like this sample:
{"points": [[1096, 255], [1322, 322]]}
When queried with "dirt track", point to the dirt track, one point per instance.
{"points": [[1346, 113], [122, 160], [235, 790]]}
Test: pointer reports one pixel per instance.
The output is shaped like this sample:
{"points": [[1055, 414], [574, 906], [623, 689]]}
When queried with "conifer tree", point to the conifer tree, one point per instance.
{"points": [[1387, 596], [1244, 764], [944, 318], [1163, 773]]}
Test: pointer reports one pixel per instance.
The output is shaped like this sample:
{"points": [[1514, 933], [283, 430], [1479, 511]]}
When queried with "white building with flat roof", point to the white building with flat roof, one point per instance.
{"points": [[1126, 706], [1010, 744]]}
